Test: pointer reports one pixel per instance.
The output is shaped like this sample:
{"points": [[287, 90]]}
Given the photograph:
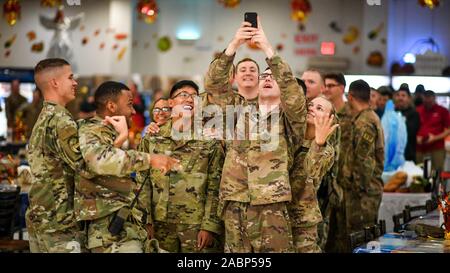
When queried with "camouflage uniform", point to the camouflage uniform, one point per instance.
{"points": [[54, 157], [330, 193], [312, 163], [256, 181], [184, 202], [360, 177], [98, 198]]}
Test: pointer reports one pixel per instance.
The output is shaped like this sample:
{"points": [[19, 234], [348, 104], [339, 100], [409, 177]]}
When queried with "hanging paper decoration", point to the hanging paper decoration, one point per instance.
{"points": [[252, 45], [280, 47], [102, 46], [121, 36], [374, 33], [7, 53], [164, 44], [375, 59], [300, 10], [121, 53], [31, 36], [147, 10], [351, 36], [335, 27], [37, 47], [230, 3], [115, 46], [85, 41], [97, 32], [51, 3], [10, 41], [431, 4], [11, 11]]}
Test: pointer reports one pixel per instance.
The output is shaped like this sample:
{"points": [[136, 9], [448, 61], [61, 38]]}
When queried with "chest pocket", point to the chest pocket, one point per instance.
{"points": [[194, 157]]}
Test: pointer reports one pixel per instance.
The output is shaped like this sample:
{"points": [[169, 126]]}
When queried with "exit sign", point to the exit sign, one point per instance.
{"points": [[328, 48]]}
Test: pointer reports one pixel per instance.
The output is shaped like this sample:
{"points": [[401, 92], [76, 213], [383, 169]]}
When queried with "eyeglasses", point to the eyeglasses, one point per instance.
{"points": [[329, 86], [264, 76], [159, 110], [185, 96]]}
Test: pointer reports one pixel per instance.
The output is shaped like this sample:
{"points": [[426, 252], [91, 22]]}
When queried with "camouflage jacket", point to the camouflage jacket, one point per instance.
{"points": [[367, 159], [346, 125], [252, 174], [112, 187], [54, 157], [311, 164], [189, 196]]}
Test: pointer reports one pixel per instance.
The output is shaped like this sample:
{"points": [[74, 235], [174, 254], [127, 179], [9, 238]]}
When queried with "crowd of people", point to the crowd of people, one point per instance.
{"points": [[292, 167]]}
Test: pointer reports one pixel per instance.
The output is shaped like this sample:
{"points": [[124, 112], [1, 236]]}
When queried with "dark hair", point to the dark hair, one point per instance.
{"points": [[338, 77], [385, 91], [404, 87], [420, 88], [109, 90], [246, 60], [49, 63], [182, 84], [429, 93], [360, 90], [302, 84]]}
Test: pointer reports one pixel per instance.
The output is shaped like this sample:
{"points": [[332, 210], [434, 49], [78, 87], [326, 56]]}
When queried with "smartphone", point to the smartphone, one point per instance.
{"points": [[251, 17]]}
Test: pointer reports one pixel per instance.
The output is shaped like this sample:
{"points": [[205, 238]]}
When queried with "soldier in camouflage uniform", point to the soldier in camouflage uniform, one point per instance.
{"points": [[315, 159], [98, 199], [361, 169], [54, 157], [184, 204], [255, 188]]}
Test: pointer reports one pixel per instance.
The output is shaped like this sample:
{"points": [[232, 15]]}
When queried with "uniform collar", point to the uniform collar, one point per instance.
{"points": [[56, 107]]}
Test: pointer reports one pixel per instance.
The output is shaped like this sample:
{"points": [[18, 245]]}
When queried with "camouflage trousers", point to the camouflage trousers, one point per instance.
{"points": [[257, 229], [130, 240], [70, 240], [305, 239], [360, 210], [182, 238]]}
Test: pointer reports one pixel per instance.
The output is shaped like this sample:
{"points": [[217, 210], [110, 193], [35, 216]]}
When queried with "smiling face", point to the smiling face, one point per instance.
{"points": [[268, 87], [246, 75], [182, 100], [125, 106], [333, 91], [67, 85], [316, 106], [161, 111]]}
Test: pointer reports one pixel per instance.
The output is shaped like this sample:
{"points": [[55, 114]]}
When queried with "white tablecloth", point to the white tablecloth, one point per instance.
{"points": [[394, 203]]}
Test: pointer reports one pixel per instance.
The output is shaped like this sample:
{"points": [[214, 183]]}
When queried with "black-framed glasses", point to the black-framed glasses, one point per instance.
{"points": [[164, 110], [185, 96], [264, 76]]}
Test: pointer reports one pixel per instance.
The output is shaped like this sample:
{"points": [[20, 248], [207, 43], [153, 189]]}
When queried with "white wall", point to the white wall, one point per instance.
{"points": [[89, 58]]}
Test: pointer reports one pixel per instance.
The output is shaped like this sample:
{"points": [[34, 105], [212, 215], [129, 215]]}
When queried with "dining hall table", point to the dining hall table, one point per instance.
{"points": [[420, 235]]}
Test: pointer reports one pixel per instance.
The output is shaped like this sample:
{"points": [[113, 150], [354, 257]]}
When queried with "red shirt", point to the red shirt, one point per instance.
{"points": [[433, 121]]}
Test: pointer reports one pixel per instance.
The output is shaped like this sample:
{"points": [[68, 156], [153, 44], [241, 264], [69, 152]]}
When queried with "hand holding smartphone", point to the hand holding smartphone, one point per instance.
{"points": [[252, 18]]}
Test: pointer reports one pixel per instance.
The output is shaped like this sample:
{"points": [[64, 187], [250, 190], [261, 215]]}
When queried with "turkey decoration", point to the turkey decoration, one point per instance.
{"points": [[300, 10], [147, 10], [11, 11], [431, 4], [230, 3]]}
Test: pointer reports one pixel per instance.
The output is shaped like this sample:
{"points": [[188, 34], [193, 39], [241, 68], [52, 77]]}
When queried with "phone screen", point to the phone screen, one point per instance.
{"points": [[251, 17]]}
